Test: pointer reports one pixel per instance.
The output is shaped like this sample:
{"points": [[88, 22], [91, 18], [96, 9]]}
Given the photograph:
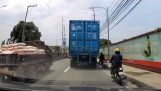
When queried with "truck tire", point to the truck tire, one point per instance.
{"points": [[94, 63], [2, 78], [72, 63]]}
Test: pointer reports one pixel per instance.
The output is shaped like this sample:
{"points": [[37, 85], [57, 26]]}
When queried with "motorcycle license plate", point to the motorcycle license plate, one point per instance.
{"points": [[120, 73]]}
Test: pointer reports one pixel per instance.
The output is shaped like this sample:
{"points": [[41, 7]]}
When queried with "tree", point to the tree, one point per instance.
{"points": [[104, 42], [3, 43], [56, 49], [158, 29], [31, 32]]}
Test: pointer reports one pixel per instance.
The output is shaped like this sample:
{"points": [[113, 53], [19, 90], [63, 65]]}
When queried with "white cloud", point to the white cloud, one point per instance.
{"points": [[48, 13]]}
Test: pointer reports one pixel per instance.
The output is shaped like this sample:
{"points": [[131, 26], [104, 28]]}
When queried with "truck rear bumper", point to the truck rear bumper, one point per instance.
{"points": [[84, 57]]}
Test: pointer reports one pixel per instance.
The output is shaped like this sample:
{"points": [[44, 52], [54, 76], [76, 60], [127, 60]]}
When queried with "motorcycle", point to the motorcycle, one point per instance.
{"points": [[118, 75]]}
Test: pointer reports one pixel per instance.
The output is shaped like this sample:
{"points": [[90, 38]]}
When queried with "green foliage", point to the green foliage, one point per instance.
{"points": [[56, 49], [31, 32], [158, 29], [104, 42]]}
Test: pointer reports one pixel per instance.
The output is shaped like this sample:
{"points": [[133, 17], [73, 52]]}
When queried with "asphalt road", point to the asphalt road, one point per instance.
{"points": [[63, 78], [62, 74]]}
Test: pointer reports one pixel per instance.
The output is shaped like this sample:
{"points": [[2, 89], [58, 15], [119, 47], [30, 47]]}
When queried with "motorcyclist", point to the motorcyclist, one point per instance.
{"points": [[101, 58], [116, 60]]}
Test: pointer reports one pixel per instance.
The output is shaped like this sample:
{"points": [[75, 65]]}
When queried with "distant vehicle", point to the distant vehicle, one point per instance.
{"points": [[84, 42], [56, 50]]}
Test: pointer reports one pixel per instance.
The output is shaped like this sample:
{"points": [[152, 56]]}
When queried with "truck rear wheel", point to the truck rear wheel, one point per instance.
{"points": [[72, 63], [94, 63], [2, 78]]}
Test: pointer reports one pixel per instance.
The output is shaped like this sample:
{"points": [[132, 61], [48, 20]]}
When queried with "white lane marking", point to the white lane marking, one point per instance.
{"points": [[66, 69], [107, 73]]}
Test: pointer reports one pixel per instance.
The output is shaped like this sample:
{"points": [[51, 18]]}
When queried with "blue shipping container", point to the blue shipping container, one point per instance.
{"points": [[84, 41]]}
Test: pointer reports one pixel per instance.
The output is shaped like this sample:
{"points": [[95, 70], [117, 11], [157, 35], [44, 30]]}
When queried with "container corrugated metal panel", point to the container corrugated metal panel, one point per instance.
{"points": [[84, 36]]}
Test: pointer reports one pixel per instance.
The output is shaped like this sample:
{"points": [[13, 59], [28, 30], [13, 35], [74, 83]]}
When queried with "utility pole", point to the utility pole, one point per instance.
{"points": [[63, 37], [108, 30], [64, 40], [62, 34], [23, 31], [94, 15], [56, 42]]}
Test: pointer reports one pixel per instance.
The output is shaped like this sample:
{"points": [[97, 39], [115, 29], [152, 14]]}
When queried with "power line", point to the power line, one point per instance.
{"points": [[121, 18], [114, 6], [123, 8], [123, 5], [111, 4], [41, 12], [126, 14], [47, 11], [102, 28], [46, 4], [56, 11]]}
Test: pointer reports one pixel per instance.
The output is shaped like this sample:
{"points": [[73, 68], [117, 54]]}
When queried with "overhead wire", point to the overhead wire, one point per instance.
{"points": [[123, 8], [56, 10], [35, 18], [124, 15], [111, 4], [114, 6], [117, 8], [47, 12], [102, 28], [124, 4], [56, 16]]}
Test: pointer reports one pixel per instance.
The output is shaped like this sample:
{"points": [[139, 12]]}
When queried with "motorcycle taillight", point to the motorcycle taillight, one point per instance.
{"points": [[121, 69]]}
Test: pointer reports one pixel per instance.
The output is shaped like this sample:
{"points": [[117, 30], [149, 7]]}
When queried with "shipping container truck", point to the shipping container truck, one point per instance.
{"points": [[83, 42]]}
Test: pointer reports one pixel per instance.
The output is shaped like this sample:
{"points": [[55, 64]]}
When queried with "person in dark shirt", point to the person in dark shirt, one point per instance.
{"points": [[101, 58], [116, 60]]}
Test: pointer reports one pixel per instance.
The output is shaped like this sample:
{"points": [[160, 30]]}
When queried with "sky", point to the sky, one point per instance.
{"points": [[48, 14]]}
